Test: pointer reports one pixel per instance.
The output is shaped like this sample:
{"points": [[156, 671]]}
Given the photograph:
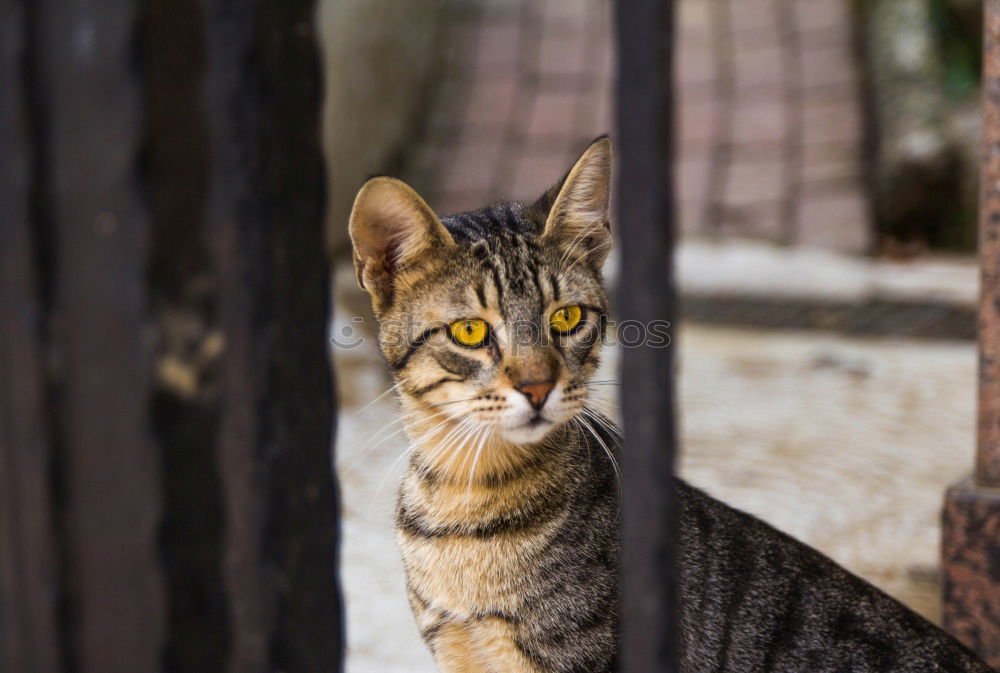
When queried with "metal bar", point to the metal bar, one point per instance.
{"points": [[265, 234], [971, 517], [111, 504], [645, 210], [988, 454], [29, 639], [187, 402], [308, 635], [235, 222], [113, 147]]}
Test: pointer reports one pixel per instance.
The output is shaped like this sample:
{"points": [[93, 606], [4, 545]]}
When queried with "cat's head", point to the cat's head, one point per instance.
{"points": [[491, 320]]}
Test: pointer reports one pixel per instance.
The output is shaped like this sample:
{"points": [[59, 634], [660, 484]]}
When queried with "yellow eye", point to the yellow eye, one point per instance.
{"points": [[470, 333], [565, 319]]}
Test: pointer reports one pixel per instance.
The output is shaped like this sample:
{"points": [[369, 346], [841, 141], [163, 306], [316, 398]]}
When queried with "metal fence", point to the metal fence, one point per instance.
{"points": [[166, 497], [166, 489]]}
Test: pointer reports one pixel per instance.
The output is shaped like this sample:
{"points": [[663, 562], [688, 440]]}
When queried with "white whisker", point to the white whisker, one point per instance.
{"points": [[392, 388], [611, 457], [488, 431], [409, 450], [457, 442], [603, 422]]}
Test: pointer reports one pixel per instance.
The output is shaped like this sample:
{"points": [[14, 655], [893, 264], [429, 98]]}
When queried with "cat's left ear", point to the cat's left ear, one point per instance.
{"points": [[578, 207], [396, 238]]}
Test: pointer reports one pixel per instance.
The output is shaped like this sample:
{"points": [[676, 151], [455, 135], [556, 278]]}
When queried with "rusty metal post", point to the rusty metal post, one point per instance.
{"points": [[650, 618], [988, 455], [971, 524]]}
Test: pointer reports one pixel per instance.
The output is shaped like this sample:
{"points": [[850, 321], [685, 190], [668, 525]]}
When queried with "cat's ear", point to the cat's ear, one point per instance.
{"points": [[578, 207], [395, 235]]}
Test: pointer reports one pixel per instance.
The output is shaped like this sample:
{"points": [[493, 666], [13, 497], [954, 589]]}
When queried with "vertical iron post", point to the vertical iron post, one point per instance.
{"points": [[645, 220], [988, 453], [167, 493], [29, 639], [971, 522], [91, 95], [264, 234]]}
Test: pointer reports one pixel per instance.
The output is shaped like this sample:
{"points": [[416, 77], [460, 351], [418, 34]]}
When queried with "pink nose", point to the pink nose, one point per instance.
{"points": [[536, 392]]}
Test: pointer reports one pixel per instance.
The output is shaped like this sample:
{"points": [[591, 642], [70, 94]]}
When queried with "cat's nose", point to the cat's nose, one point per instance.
{"points": [[536, 391]]}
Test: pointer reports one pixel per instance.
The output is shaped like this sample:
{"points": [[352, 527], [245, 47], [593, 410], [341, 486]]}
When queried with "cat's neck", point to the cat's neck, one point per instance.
{"points": [[472, 483], [449, 452]]}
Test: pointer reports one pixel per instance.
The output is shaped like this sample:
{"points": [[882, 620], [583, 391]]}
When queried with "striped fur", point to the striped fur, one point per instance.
{"points": [[508, 515]]}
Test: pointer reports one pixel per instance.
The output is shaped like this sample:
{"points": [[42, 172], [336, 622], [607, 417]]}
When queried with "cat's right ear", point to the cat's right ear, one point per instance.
{"points": [[576, 209], [395, 235]]}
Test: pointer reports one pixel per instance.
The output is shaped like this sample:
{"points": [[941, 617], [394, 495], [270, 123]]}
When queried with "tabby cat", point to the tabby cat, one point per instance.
{"points": [[508, 516]]}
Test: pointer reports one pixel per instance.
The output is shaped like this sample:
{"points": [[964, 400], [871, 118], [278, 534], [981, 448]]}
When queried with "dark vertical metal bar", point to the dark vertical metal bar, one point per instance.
{"points": [[264, 227], [235, 225], [92, 89], [28, 630], [303, 530], [988, 455], [971, 521], [236, 304], [187, 398], [645, 205]]}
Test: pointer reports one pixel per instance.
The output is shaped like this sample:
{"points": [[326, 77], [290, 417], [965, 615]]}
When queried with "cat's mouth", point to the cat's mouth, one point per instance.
{"points": [[537, 420], [532, 429]]}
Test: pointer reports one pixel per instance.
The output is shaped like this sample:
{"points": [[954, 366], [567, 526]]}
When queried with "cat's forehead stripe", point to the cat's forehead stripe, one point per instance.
{"points": [[503, 241], [503, 221], [514, 267]]}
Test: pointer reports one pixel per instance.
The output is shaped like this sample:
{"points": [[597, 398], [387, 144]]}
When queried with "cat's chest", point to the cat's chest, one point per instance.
{"points": [[468, 576], [478, 568]]}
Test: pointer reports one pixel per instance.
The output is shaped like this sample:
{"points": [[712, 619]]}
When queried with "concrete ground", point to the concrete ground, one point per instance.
{"points": [[846, 443]]}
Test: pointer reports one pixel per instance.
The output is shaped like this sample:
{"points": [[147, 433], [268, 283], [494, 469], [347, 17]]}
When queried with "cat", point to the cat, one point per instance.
{"points": [[508, 516]]}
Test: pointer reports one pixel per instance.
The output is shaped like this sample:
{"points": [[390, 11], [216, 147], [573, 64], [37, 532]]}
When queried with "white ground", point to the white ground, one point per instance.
{"points": [[845, 443]]}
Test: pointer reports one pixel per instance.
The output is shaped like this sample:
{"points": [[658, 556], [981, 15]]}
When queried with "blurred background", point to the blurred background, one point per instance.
{"points": [[827, 177]]}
